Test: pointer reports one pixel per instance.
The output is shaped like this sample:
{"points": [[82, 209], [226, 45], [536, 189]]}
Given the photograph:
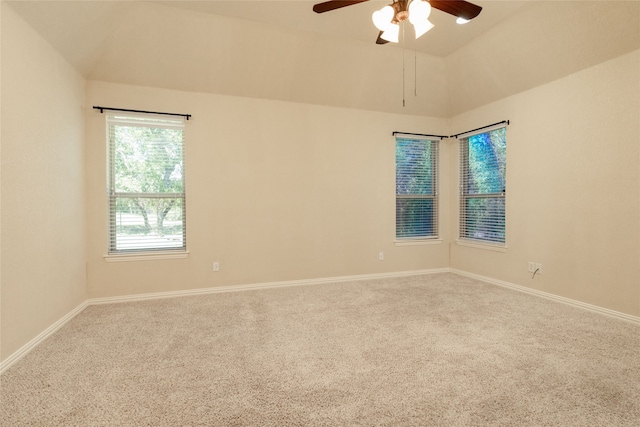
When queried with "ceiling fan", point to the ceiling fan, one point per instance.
{"points": [[417, 12]]}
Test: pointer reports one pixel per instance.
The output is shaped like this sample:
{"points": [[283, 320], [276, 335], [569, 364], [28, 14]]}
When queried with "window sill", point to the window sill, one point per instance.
{"points": [[417, 242], [145, 256], [482, 245]]}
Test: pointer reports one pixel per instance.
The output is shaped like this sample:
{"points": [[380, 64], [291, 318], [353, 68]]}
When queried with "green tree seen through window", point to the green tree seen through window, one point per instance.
{"points": [[147, 186], [483, 183], [416, 196]]}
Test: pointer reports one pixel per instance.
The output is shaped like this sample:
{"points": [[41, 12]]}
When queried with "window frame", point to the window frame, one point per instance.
{"points": [[434, 237], [465, 196], [149, 252]]}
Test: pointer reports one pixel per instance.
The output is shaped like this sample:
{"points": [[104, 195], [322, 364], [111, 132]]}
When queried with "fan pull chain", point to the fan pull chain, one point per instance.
{"points": [[415, 70], [403, 50]]}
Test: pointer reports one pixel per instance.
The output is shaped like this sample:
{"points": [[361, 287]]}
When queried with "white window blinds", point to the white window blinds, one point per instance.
{"points": [[483, 159], [416, 188], [146, 194]]}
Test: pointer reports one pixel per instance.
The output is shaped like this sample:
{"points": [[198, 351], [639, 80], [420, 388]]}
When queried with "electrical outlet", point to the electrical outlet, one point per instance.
{"points": [[538, 268], [216, 266], [381, 256], [532, 267]]}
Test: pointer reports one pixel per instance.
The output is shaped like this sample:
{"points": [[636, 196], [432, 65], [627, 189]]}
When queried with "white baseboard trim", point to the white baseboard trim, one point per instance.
{"points": [[266, 285], [5, 364], [22, 351], [557, 298]]}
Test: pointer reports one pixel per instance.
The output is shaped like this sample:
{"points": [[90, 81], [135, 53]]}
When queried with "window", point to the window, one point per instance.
{"points": [[145, 184], [483, 160], [416, 189]]}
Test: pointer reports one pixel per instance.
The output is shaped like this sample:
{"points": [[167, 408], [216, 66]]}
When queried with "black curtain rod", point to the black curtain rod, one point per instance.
{"points": [[187, 116], [417, 134], [394, 133], [483, 127]]}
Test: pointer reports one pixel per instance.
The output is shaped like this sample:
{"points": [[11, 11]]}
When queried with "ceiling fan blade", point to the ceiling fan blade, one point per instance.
{"points": [[460, 8], [380, 40], [334, 4]]}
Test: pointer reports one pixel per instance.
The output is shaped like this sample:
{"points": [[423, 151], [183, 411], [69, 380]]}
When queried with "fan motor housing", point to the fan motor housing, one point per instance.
{"points": [[401, 13]]}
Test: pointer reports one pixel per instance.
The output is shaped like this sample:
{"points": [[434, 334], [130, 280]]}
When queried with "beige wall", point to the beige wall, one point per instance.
{"points": [[275, 191], [572, 187], [43, 212]]}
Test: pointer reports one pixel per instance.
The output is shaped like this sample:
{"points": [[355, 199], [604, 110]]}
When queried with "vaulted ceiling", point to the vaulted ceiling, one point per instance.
{"points": [[282, 50]]}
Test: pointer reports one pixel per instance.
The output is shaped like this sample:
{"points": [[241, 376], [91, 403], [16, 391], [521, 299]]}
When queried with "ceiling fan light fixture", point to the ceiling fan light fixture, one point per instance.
{"points": [[391, 33], [422, 27], [419, 11], [382, 18]]}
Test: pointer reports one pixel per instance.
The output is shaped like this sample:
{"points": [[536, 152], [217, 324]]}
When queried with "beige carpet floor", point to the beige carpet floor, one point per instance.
{"points": [[433, 350]]}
